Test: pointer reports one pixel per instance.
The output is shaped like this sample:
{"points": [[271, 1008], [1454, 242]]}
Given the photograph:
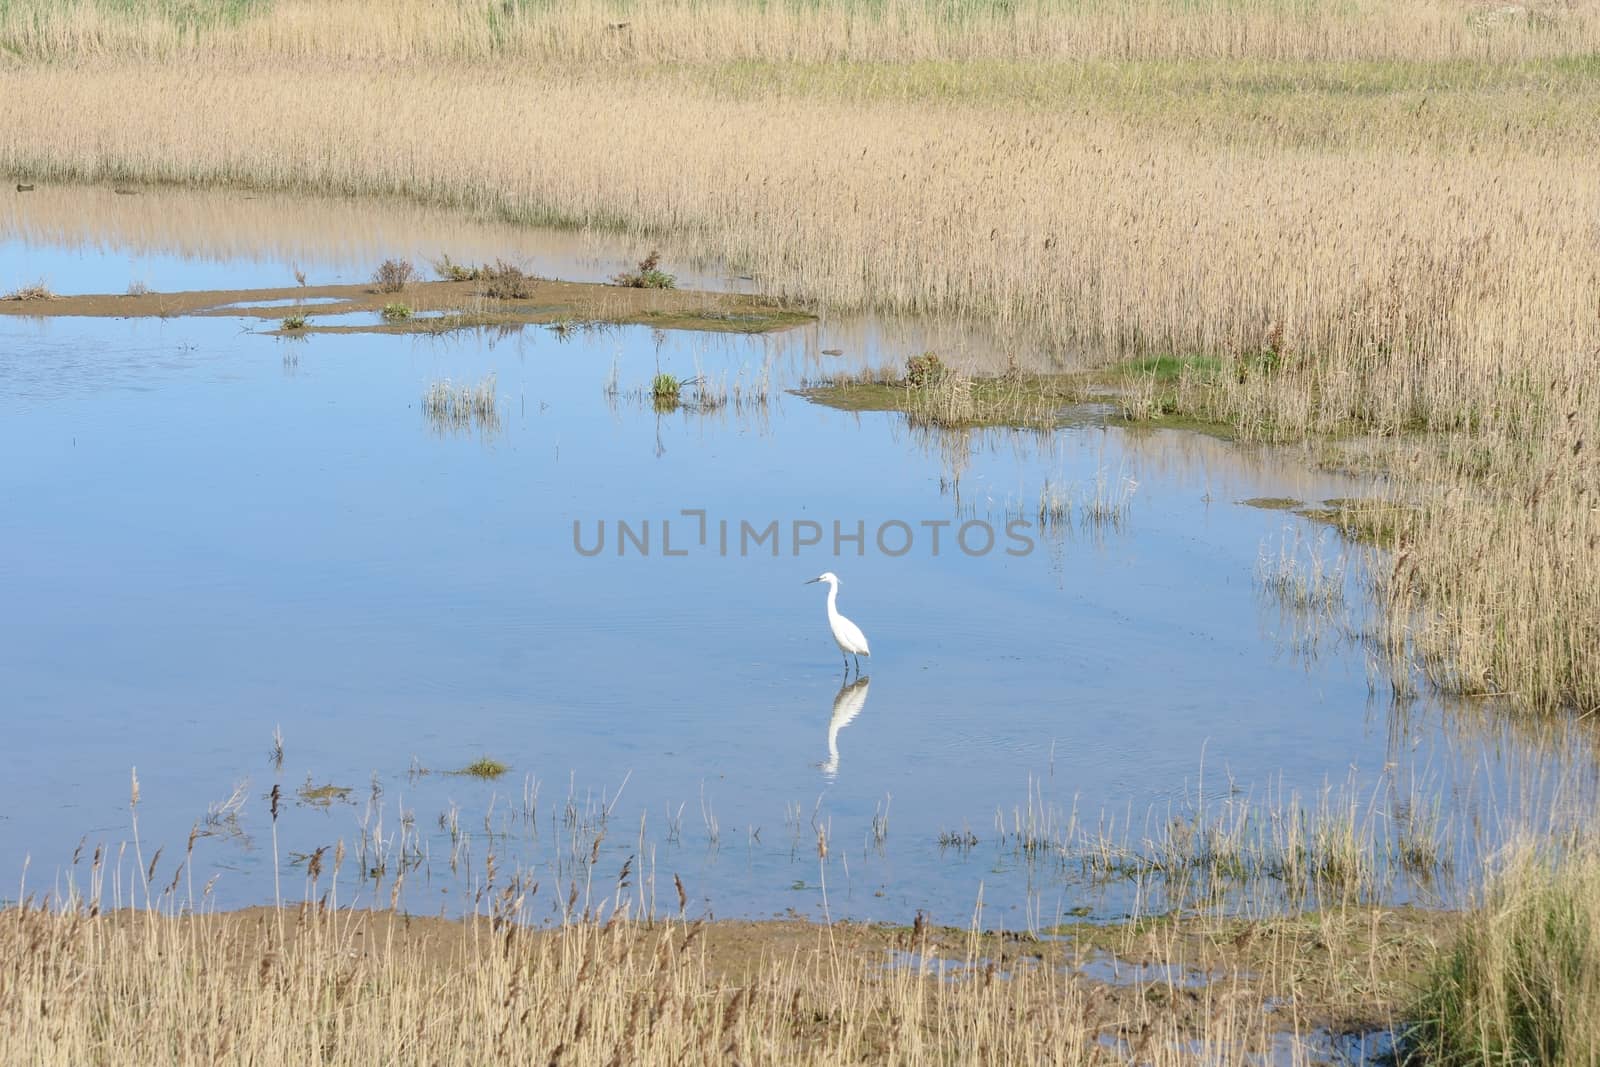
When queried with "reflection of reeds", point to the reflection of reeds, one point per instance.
{"points": [[451, 407], [1110, 504], [701, 395], [1275, 856], [1101, 507], [1299, 576], [712, 394], [1308, 591], [1055, 506]]}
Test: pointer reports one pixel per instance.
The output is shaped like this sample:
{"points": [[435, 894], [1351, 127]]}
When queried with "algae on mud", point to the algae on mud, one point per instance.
{"points": [[1131, 394]]}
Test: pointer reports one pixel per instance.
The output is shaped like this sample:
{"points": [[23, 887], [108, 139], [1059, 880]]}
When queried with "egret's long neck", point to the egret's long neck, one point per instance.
{"points": [[833, 600]]}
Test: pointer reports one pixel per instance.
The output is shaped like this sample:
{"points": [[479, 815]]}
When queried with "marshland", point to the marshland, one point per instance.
{"points": [[420, 419]]}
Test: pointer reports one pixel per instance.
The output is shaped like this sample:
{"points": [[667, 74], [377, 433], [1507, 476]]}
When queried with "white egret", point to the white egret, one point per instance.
{"points": [[851, 641]]}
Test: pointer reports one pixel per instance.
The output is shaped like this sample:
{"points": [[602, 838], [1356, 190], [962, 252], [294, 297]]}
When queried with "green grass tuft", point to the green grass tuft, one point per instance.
{"points": [[1167, 369], [665, 387], [1521, 984], [484, 767], [647, 275]]}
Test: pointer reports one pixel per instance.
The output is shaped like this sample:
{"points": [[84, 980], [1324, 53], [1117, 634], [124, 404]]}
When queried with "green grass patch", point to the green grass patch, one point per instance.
{"points": [[484, 767], [1168, 369], [1521, 985], [322, 796], [647, 275], [665, 387], [955, 401], [1370, 522]]}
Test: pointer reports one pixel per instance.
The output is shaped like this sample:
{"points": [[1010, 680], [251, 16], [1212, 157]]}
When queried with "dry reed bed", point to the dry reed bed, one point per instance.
{"points": [[1379, 277], [1087, 232], [82, 990], [897, 31], [309, 985]]}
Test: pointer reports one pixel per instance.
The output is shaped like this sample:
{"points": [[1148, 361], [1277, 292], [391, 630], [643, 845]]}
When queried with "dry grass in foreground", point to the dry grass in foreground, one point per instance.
{"points": [[319, 986], [619, 982]]}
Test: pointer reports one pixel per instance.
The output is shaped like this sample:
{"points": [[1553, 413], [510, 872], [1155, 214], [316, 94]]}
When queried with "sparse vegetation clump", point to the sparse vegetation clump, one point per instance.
{"points": [[506, 281], [393, 275], [39, 290], [703, 394], [484, 767], [296, 321], [932, 394], [396, 312], [647, 275], [1299, 576], [925, 369], [449, 406], [450, 271], [322, 796], [665, 388]]}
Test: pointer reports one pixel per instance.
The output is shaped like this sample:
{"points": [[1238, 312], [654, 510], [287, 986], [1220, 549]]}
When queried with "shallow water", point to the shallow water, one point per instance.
{"points": [[96, 240], [210, 533], [1104, 967]]}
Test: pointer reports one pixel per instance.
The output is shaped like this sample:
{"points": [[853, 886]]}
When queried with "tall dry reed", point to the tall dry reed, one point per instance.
{"points": [[892, 31]]}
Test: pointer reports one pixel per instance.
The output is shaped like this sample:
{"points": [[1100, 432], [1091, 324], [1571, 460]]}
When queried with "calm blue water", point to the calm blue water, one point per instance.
{"points": [[208, 533]]}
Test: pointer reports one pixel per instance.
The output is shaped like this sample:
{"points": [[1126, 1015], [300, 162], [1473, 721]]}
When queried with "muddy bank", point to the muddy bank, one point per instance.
{"points": [[433, 307]]}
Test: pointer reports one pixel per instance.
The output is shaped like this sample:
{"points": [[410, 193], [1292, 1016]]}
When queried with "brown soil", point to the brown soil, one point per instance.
{"points": [[465, 304]]}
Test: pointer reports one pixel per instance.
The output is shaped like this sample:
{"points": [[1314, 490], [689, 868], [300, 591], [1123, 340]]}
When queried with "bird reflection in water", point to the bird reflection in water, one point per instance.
{"points": [[847, 704]]}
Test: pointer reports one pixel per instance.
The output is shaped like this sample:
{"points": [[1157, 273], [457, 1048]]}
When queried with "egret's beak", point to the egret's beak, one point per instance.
{"points": [[811, 581]]}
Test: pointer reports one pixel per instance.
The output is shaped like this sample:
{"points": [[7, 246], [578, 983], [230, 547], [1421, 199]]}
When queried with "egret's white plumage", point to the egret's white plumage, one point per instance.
{"points": [[848, 636]]}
